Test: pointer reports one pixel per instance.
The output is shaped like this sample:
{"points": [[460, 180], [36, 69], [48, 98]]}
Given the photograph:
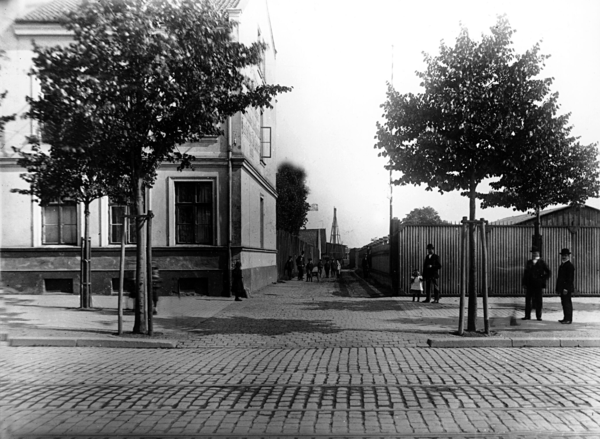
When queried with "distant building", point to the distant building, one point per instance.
{"points": [[315, 237], [572, 216], [40, 245]]}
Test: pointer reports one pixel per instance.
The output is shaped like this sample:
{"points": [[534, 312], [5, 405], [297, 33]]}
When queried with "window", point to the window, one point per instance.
{"points": [[116, 215], [60, 223], [58, 286], [194, 213]]}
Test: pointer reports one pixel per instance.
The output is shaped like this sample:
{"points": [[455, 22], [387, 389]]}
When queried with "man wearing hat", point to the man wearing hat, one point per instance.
{"points": [[534, 282], [565, 285], [431, 268]]}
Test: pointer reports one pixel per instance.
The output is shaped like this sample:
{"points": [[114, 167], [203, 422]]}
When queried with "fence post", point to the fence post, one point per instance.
{"points": [[463, 276], [484, 262]]}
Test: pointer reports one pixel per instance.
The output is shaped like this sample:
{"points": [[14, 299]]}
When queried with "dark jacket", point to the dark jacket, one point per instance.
{"points": [[237, 284], [431, 267], [566, 277], [536, 275]]}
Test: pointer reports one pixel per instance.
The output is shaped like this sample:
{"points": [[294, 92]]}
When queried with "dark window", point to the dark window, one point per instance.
{"points": [[194, 213], [128, 285], [58, 285], [117, 214], [60, 223], [193, 286]]}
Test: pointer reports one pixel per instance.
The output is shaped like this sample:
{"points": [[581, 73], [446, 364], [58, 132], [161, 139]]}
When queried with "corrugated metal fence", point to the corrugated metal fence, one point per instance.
{"points": [[508, 250], [289, 245]]}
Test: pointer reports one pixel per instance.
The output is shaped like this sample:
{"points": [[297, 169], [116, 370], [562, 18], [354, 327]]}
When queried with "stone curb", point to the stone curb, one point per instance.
{"points": [[491, 342], [129, 343]]}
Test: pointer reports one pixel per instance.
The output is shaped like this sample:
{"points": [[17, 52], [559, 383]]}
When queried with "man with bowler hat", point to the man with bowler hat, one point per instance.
{"points": [[431, 268], [534, 282], [565, 285]]}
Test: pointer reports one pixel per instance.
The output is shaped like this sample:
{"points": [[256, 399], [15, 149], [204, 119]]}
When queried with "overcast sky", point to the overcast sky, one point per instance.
{"points": [[338, 56]]}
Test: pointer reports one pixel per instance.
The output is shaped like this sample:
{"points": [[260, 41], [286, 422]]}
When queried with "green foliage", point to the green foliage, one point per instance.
{"points": [[292, 191], [423, 215], [484, 113]]}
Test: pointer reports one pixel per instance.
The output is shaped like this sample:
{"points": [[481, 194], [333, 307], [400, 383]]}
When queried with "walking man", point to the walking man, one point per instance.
{"points": [[565, 285], [431, 273], [534, 282], [300, 266]]}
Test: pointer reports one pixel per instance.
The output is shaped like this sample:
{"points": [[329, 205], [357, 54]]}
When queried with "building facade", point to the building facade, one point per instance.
{"points": [[205, 218]]}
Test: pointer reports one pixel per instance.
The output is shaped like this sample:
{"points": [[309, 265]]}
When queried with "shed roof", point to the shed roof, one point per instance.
{"points": [[518, 219]]}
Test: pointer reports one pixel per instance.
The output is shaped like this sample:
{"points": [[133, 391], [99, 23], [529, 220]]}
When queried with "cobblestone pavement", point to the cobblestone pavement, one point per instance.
{"points": [[302, 360]]}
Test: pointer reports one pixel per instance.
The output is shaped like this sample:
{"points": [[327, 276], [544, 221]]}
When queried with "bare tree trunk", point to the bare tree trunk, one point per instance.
{"points": [[141, 312], [472, 308], [537, 238]]}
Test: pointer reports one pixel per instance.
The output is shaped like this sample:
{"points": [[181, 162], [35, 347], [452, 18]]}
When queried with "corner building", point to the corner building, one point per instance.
{"points": [[225, 205]]}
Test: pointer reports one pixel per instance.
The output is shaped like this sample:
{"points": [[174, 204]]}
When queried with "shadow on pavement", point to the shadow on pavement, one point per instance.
{"points": [[243, 325], [358, 305]]}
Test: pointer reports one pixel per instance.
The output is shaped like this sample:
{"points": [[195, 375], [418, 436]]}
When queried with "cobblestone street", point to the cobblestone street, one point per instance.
{"points": [[325, 359]]}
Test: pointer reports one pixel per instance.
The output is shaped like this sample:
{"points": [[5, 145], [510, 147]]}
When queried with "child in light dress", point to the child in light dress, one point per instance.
{"points": [[416, 285]]}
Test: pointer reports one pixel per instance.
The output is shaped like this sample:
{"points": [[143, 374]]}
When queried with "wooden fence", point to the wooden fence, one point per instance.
{"points": [[508, 250], [289, 245]]}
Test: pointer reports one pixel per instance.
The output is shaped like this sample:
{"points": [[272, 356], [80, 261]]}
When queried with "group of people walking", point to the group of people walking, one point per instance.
{"points": [[534, 282], [332, 268]]}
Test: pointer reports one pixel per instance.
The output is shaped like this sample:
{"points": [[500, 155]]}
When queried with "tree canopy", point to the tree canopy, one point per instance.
{"points": [[423, 215], [292, 191], [485, 113], [140, 78]]}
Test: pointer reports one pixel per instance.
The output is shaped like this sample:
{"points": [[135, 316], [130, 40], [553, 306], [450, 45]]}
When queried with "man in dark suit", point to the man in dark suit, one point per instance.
{"points": [[431, 268], [565, 285], [534, 282]]}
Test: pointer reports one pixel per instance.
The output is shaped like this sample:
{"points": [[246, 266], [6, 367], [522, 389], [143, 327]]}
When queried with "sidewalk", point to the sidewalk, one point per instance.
{"points": [[339, 312]]}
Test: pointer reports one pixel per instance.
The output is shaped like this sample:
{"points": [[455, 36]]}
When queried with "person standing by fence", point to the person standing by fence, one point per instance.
{"points": [[327, 267], [365, 267], [300, 266], [565, 285], [431, 268], [534, 282], [289, 268]]}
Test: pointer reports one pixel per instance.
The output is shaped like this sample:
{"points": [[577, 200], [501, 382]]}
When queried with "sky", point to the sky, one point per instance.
{"points": [[339, 55]]}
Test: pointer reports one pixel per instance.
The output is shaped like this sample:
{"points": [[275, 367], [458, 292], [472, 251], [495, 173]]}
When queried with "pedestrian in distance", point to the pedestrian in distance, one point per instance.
{"points": [[309, 270], [416, 285], [333, 268], [431, 274], [365, 267], [237, 284], [289, 268], [565, 285], [327, 267], [319, 270], [338, 268], [300, 266], [534, 282]]}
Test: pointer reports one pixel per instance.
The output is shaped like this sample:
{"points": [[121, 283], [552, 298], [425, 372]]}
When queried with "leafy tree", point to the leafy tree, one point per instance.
{"points": [[153, 74], [59, 174], [423, 215], [483, 109], [567, 174], [292, 191]]}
